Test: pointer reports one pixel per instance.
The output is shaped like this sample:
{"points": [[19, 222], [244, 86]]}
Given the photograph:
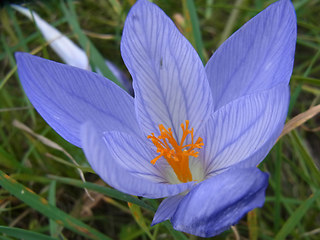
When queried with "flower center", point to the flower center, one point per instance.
{"points": [[176, 154]]}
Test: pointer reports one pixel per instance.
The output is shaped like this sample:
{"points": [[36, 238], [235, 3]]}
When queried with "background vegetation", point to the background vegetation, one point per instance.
{"points": [[42, 194]]}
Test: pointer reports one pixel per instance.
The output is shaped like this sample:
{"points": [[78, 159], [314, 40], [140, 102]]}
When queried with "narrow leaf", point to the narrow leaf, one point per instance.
{"points": [[196, 29], [138, 217], [24, 234], [253, 224], [52, 200]]}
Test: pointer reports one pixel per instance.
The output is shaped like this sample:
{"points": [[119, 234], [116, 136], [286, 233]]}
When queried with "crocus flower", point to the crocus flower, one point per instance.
{"points": [[67, 50], [193, 134]]}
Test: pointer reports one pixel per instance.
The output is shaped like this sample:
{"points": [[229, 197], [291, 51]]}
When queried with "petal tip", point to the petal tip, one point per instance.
{"points": [[20, 55]]}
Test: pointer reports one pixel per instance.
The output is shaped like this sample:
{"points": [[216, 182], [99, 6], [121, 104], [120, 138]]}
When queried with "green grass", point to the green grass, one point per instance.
{"points": [[58, 205]]}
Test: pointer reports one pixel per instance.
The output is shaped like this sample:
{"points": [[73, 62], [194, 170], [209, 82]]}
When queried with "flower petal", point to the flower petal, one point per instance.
{"points": [[232, 194], [243, 127], [257, 57], [118, 177], [66, 97], [169, 79], [133, 154], [166, 209], [67, 50]]}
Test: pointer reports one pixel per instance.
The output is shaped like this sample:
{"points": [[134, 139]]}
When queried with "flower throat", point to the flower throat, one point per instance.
{"points": [[176, 154]]}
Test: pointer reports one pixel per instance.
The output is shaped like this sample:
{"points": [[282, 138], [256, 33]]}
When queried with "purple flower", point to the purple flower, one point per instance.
{"points": [[67, 50], [192, 134]]}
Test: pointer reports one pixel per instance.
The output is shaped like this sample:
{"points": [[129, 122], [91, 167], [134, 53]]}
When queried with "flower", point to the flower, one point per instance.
{"points": [[67, 50], [192, 134]]}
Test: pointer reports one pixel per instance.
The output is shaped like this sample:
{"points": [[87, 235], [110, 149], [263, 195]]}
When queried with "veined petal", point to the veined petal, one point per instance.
{"points": [[133, 154], [232, 194], [261, 152], [115, 175], [257, 57], [169, 79], [66, 97], [243, 127], [166, 209]]}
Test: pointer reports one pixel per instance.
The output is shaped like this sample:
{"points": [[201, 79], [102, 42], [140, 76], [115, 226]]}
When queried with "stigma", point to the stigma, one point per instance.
{"points": [[176, 153]]}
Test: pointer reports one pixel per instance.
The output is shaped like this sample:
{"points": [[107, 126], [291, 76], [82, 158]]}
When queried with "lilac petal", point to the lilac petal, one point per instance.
{"points": [[109, 169], [166, 209], [66, 97], [257, 57], [246, 127], [261, 152], [67, 50], [169, 79], [133, 154], [216, 204], [123, 79]]}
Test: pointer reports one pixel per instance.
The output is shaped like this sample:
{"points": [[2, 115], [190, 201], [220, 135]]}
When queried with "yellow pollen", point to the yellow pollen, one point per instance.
{"points": [[176, 154]]}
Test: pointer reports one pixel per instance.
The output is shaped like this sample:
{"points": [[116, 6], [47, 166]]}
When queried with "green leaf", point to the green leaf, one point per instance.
{"points": [[52, 200]]}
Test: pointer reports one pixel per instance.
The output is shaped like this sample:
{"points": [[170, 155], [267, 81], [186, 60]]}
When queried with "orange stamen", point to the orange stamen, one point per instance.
{"points": [[177, 155]]}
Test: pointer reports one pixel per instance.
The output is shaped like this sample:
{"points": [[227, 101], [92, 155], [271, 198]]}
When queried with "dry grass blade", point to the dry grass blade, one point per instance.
{"points": [[235, 232], [313, 232], [53, 145], [299, 120], [20, 217], [14, 108], [99, 35], [8, 76]]}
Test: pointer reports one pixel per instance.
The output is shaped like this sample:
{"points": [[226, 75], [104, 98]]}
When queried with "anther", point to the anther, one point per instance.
{"points": [[177, 155]]}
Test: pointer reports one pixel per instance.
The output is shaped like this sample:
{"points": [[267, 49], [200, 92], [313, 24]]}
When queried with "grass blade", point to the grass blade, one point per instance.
{"points": [[52, 200], [296, 217], [231, 21], [309, 80], [196, 29], [138, 217], [253, 224], [94, 56], [41, 205], [24, 234], [299, 120], [176, 234], [104, 190], [306, 158], [277, 189]]}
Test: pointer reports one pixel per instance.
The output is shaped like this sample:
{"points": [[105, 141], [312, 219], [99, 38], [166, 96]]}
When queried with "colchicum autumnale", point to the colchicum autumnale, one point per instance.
{"points": [[192, 134]]}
